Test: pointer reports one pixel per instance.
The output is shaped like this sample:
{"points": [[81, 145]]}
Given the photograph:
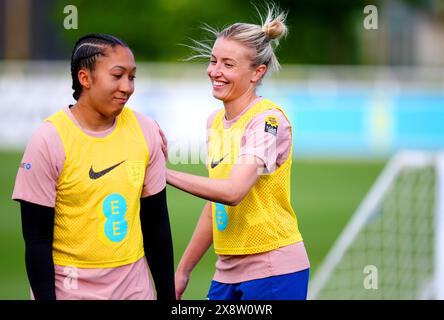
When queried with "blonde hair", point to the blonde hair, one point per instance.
{"points": [[262, 38]]}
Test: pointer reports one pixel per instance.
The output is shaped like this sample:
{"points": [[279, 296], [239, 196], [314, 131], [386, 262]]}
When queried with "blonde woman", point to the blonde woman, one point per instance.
{"points": [[248, 217]]}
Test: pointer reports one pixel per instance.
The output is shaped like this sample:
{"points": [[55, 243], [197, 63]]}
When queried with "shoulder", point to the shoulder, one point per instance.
{"points": [[45, 134], [44, 159], [212, 116], [270, 118], [145, 121], [150, 128], [151, 132]]}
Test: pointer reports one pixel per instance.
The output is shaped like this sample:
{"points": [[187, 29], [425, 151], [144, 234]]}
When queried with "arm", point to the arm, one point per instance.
{"points": [[38, 233], [158, 243], [199, 244], [231, 191]]}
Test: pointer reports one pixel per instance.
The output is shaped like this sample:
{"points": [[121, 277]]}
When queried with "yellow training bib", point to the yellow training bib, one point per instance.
{"points": [[265, 219], [97, 210]]}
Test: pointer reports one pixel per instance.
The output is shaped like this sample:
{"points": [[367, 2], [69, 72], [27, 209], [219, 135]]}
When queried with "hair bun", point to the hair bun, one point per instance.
{"points": [[274, 29]]}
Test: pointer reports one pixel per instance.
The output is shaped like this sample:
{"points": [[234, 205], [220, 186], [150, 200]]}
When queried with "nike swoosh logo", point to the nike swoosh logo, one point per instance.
{"points": [[96, 175], [214, 164]]}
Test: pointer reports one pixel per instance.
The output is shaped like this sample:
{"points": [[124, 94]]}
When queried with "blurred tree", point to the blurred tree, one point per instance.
{"points": [[321, 31]]}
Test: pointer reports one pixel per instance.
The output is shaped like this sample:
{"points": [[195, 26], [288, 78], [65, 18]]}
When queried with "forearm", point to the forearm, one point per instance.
{"points": [[158, 243], [200, 242], [230, 191], [37, 228], [40, 270], [217, 190]]}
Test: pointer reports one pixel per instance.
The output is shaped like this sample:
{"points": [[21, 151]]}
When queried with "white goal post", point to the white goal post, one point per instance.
{"points": [[393, 246]]}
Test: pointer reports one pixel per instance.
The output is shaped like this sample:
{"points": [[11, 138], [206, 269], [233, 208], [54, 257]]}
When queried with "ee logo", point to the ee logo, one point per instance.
{"points": [[221, 217], [114, 208]]}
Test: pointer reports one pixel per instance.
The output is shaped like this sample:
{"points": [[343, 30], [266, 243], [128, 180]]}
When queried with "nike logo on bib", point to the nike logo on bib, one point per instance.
{"points": [[215, 163], [96, 175]]}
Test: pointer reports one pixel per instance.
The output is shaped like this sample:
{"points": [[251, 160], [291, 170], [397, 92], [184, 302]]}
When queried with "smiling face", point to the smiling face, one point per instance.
{"points": [[109, 86], [230, 70]]}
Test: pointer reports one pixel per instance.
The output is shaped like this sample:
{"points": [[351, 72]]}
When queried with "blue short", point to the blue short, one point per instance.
{"points": [[291, 286]]}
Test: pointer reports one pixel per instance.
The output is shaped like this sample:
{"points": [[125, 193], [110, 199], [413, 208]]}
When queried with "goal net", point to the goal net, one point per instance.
{"points": [[393, 246]]}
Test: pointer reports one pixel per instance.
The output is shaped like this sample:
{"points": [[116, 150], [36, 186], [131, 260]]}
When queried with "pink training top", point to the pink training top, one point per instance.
{"points": [[273, 150], [45, 152]]}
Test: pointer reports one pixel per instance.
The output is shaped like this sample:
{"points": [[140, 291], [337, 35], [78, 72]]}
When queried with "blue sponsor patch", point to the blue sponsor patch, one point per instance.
{"points": [[221, 217], [114, 208]]}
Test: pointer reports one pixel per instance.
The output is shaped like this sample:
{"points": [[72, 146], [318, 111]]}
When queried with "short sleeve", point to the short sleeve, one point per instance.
{"points": [[155, 175], [268, 137], [40, 168]]}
